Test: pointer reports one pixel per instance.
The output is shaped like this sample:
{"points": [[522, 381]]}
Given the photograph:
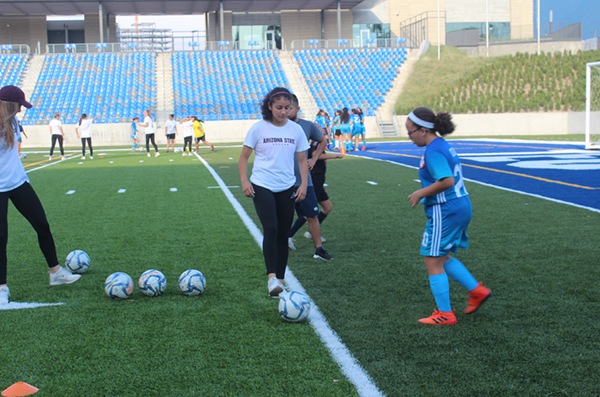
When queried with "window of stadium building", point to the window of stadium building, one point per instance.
{"points": [[255, 37], [371, 34], [499, 31]]}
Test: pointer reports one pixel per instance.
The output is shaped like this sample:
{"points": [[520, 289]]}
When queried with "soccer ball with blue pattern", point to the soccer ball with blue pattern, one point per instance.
{"points": [[294, 306], [78, 261], [118, 285], [152, 282], [192, 282]]}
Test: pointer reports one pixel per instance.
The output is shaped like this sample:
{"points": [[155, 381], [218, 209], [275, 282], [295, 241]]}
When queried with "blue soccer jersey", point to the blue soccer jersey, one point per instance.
{"points": [[440, 161]]}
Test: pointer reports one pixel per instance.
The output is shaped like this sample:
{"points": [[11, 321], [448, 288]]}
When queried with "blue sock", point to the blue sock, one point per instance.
{"points": [[440, 288], [455, 269]]}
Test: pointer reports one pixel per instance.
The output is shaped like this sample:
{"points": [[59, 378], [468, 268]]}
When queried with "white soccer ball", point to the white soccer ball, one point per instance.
{"points": [[192, 282], [152, 283], [294, 306], [78, 261], [118, 285]]}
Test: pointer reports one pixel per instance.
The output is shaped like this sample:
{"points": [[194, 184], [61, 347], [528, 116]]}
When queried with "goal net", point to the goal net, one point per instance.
{"points": [[592, 105]]}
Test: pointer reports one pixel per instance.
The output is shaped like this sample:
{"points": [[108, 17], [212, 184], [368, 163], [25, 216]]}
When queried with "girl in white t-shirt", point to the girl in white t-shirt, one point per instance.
{"points": [[275, 141], [57, 133], [14, 186], [84, 131], [171, 132], [188, 132], [148, 124]]}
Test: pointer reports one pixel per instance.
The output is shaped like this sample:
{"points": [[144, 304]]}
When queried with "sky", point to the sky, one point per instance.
{"points": [[566, 12]]}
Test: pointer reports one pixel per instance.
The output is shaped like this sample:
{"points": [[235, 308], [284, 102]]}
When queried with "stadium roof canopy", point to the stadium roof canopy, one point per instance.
{"points": [[167, 7]]}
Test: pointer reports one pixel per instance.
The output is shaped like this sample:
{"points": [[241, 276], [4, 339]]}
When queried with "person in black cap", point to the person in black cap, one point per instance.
{"points": [[14, 186]]}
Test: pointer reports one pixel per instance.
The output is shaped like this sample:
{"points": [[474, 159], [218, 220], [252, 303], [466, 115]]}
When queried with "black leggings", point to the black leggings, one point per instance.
{"points": [[150, 137], [28, 204], [276, 213], [89, 142], [187, 140], [58, 138]]}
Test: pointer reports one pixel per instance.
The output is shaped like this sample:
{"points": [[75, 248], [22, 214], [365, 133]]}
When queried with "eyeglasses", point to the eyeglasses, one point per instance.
{"points": [[413, 131]]}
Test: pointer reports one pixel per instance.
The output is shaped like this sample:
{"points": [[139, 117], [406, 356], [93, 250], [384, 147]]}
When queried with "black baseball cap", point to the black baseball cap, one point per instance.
{"points": [[10, 93]]}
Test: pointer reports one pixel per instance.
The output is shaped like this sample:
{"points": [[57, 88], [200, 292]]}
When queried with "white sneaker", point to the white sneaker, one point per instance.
{"points": [[308, 235], [4, 295], [275, 287], [91, 157], [148, 154], [83, 157], [49, 158], [62, 157], [63, 276], [291, 244], [156, 154]]}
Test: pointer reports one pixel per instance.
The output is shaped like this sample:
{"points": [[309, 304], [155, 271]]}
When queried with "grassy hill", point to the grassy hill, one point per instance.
{"points": [[516, 83]]}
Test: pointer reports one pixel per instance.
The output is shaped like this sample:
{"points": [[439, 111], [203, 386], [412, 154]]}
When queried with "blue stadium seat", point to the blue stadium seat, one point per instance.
{"points": [[224, 84], [110, 85], [347, 77]]}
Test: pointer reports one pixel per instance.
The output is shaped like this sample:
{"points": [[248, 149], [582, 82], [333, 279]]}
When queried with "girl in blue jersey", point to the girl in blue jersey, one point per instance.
{"points": [[448, 210], [14, 186], [345, 127]]}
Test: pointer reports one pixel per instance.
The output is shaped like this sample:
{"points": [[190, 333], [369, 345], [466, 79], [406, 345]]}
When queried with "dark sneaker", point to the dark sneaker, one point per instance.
{"points": [[321, 253]]}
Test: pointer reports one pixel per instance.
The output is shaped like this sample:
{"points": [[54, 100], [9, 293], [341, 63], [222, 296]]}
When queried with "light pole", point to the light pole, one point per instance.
{"points": [[487, 28], [438, 29], [538, 27]]}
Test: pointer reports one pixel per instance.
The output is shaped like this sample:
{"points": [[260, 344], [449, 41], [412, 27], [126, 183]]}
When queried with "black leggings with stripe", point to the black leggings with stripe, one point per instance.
{"points": [[29, 205], [276, 213]]}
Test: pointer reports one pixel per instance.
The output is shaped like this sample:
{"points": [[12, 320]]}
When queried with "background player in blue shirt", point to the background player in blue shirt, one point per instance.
{"points": [[448, 210]]}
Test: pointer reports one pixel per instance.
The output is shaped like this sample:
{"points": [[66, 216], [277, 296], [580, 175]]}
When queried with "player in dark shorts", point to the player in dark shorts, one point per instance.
{"points": [[318, 177]]}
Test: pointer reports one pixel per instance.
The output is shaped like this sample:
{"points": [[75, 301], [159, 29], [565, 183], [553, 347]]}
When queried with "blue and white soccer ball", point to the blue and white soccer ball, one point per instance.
{"points": [[192, 282], [118, 285], [152, 282], [294, 306], [78, 261]]}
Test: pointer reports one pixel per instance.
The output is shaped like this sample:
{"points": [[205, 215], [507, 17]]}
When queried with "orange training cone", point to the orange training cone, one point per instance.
{"points": [[20, 389]]}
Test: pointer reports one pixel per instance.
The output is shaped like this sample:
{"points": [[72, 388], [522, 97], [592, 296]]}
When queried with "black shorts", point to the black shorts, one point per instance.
{"points": [[309, 206], [170, 136], [320, 192], [202, 138], [338, 132]]}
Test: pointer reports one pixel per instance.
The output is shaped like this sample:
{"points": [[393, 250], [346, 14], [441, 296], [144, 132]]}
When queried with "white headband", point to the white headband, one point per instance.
{"points": [[420, 122]]}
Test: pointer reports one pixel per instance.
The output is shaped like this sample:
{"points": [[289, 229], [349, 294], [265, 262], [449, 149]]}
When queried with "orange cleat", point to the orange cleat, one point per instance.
{"points": [[477, 296], [439, 318]]}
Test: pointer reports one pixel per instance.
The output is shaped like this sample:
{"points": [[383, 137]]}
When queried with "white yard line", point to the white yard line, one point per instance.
{"points": [[340, 353]]}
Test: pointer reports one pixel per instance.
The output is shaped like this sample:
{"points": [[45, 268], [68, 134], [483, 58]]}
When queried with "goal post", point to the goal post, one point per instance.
{"points": [[592, 105]]}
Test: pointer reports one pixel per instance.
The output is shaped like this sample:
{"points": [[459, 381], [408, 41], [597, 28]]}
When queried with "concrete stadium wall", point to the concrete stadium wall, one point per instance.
{"points": [[235, 131], [511, 48], [499, 124]]}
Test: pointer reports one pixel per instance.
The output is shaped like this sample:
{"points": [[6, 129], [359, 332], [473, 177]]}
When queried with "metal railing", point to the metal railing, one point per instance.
{"points": [[348, 43], [15, 49]]}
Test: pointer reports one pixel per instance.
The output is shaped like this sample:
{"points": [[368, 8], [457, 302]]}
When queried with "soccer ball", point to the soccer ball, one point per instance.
{"points": [[78, 261], [152, 283], [294, 306], [192, 282], [118, 285]]}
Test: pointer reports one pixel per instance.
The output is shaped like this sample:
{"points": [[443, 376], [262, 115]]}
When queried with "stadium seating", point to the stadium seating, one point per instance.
{"points": [[350, 77], [114, 86], [224, 85], [12, 69]]}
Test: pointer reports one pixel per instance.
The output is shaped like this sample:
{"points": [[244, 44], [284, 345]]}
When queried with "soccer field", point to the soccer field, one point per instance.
{"points": [[132, 213]]}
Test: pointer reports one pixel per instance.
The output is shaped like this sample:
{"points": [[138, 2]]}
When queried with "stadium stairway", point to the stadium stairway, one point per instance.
{"points": [[164, 87], [298, 85], [32, 73], [388, 127]]}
